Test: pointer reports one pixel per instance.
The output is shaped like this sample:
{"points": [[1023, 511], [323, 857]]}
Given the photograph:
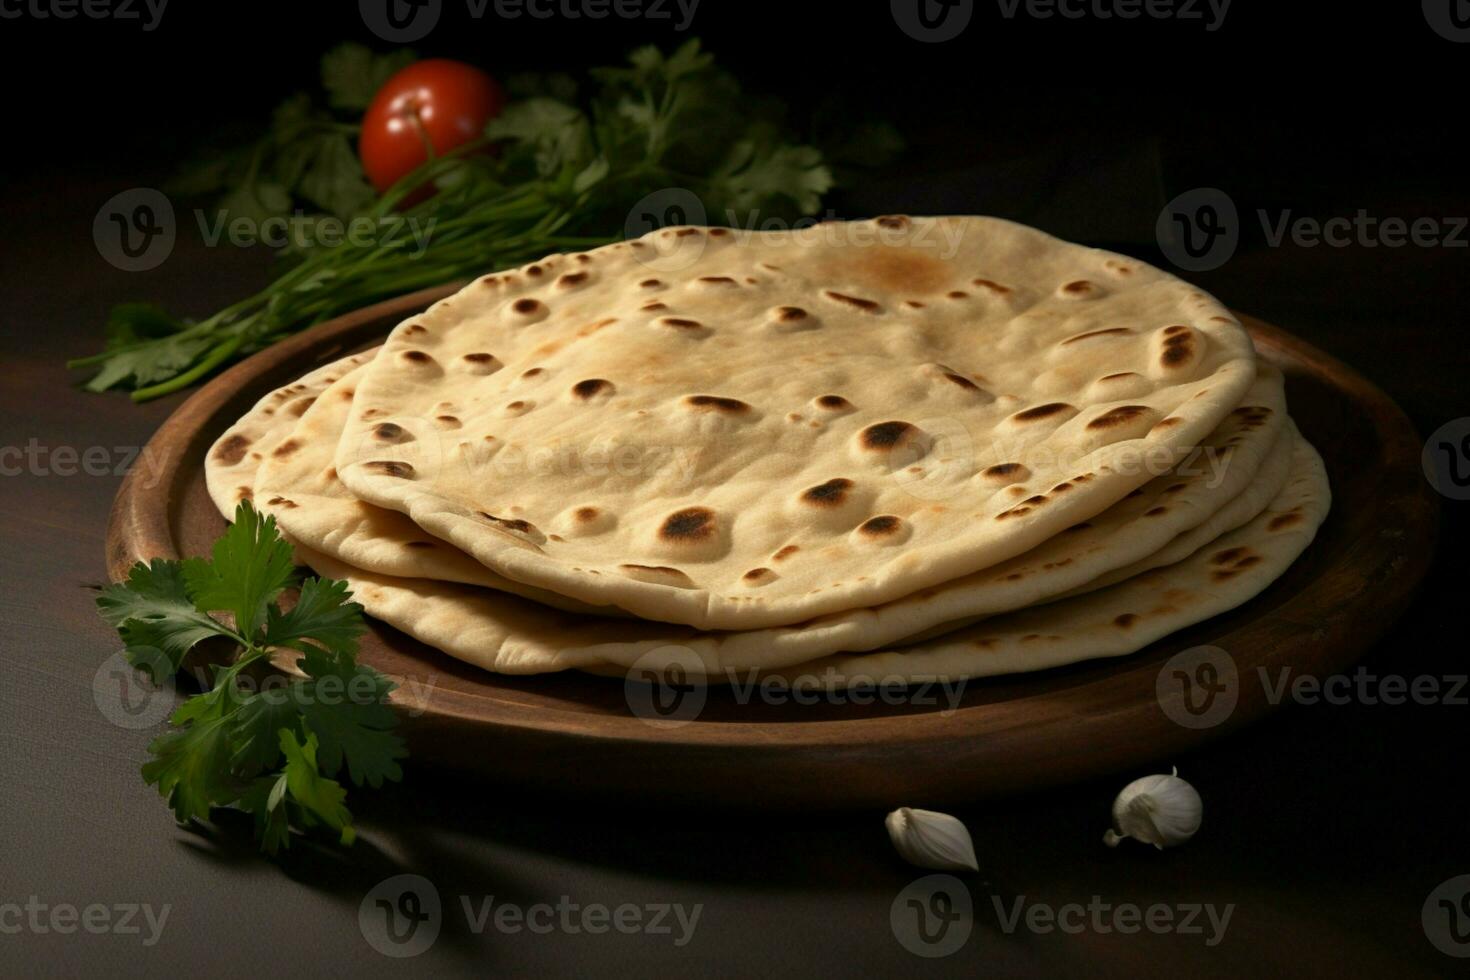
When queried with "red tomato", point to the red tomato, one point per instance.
{"points": [[436, 103]]}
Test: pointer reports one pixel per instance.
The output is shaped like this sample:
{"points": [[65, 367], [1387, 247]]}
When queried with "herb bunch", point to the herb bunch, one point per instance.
{"points": [[272, 751], [552, 172]]}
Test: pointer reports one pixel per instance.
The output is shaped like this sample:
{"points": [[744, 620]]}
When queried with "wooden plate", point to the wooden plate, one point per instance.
{"points": [[574, 733]]}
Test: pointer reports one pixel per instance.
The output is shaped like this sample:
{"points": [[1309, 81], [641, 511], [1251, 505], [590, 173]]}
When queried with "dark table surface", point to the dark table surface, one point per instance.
{"points": [[1327, 826]]}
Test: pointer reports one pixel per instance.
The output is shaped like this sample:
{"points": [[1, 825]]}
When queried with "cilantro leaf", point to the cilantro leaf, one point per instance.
{"points": [[345, 705], [250, 567], [264, 799], [753, 176], [352, 73], [553, 134], [324, 616], [129, 323], [152, 611], [321, 799], [191, 768], [163, 357], [256, 728], [255, 202]]}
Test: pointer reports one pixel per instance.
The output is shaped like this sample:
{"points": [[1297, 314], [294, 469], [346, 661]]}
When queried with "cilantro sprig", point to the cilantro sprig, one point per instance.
{"points": [[567, 168], [271, 750]]}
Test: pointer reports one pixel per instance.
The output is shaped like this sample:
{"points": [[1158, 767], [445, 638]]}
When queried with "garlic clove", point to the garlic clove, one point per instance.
{"points": [[1161, 810], [931, 840]]}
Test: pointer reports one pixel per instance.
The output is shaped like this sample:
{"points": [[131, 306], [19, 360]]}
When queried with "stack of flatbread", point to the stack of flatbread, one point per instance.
{"points": [[907, 448]]}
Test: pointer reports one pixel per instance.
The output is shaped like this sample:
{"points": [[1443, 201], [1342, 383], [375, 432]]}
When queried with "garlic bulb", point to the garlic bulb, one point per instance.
{"points": [[931, 840], [1159, 810]]}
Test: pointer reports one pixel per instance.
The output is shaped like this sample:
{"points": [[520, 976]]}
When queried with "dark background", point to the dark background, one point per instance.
{"points": [[1326, 825]]}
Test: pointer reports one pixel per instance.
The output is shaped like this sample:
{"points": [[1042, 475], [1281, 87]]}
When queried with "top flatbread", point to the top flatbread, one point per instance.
{"points": [[758, 428]]}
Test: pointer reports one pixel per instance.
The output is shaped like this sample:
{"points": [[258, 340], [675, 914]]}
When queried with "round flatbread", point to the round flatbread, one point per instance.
{"points": [[301, 489], [738, 430]]}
